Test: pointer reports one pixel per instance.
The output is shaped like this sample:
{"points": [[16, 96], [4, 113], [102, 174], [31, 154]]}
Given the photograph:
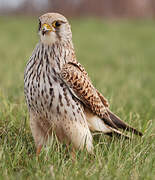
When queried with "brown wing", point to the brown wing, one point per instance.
{"points": [[103, 99], [75, 76], [77, 79]]}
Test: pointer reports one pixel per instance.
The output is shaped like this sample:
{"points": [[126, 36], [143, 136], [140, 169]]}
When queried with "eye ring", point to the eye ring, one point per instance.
{"points": [[56, 24]]}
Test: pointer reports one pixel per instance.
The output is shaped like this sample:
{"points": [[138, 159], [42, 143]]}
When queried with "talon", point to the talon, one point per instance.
{"points": [[38, 150]]}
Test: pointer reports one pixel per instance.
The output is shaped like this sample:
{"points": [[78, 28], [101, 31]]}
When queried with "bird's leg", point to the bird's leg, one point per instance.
{"points": [[38, 150], [73, 154], [37, 132]]}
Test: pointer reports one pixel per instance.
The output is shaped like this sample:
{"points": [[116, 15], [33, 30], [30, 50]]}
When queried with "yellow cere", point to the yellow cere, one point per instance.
{"points": [[46, 27]]}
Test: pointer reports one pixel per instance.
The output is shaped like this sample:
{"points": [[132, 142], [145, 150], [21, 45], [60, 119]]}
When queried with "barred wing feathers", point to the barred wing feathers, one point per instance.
{"points": [[75, 76]]}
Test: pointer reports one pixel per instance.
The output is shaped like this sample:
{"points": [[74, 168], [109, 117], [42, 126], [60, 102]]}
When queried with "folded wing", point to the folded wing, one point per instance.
{"points": [[76, 78]]}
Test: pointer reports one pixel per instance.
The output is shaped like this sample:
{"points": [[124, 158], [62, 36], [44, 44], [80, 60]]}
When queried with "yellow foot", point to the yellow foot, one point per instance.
{"points": [[38, 150]]}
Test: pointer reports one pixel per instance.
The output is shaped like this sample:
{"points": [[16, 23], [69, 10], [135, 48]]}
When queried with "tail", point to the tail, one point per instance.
{"points": [[117, 134], [120, 124]]}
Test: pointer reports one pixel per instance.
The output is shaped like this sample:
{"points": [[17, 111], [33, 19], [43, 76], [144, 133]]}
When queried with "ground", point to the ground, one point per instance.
{"points": [[119, 57]]}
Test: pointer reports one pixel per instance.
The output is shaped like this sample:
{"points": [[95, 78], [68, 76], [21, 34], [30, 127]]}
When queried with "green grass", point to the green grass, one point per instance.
{"points": [[119, 57]]}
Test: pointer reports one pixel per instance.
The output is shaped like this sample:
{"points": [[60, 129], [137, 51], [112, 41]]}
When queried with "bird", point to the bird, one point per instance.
{"points": [[60, 96]]}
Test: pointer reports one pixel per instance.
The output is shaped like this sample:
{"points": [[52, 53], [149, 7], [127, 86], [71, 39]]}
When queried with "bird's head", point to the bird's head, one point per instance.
{"points": [[54, 27]]}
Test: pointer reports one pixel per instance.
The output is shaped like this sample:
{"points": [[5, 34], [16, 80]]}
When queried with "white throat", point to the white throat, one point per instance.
{"points": [[49, 38]]}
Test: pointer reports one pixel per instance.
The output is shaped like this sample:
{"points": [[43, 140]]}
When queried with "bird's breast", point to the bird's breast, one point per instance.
{"points": [[46, 93]]}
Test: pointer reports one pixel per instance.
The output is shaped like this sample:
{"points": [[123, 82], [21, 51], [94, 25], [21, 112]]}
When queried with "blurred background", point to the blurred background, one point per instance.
{"points": [[115, 42], [106, 8], [110, 36]]}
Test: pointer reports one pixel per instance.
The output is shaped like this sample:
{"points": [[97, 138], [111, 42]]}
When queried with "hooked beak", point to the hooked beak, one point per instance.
{"points": [[46, 28]]}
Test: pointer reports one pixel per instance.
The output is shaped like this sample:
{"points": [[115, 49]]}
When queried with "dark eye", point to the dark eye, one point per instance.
{"points": [[56, 24], [39, 26]]}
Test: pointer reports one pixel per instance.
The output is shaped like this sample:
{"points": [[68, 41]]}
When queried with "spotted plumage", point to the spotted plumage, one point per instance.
{"points": [[59, 93]]}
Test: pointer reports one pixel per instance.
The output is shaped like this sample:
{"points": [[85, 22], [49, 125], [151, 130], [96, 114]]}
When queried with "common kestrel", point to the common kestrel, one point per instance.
{"points": [[59, 93]]}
